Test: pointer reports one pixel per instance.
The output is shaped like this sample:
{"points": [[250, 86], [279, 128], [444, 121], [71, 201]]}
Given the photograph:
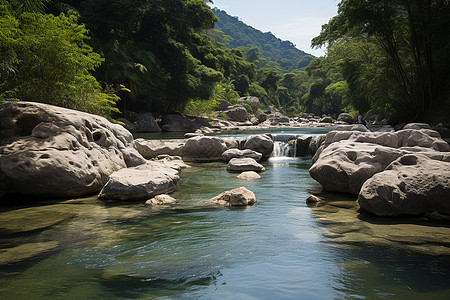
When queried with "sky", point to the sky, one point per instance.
{"points": [[297, 21]]}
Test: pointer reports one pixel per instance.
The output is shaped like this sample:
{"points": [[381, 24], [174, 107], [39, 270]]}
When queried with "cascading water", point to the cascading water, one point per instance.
{"points": [[283, 149]]}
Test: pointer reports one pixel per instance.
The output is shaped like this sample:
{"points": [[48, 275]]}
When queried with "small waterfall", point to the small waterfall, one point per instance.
{"points": [[282, 149]]}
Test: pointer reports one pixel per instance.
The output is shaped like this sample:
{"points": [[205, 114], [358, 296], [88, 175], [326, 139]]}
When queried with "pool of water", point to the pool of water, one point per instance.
{"points": [[280, 248]]}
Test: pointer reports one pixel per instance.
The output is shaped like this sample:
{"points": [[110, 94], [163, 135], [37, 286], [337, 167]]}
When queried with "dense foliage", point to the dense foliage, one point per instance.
{"points": [[394, 54], [45, 58]]}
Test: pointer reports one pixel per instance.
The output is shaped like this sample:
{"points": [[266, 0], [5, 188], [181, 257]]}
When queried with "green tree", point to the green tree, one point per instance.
{"points": [[47, 60]]}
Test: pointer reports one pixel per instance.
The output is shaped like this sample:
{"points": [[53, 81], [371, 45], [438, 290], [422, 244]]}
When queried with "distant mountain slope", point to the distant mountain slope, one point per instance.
{"points": [[242, 35]]}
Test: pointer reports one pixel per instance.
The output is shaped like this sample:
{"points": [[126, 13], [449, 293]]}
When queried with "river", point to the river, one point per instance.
{"points": [[280, 248]]}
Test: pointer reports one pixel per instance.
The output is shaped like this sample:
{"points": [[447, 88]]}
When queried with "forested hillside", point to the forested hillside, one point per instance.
{"points": [[102, 56], [267, 51]]}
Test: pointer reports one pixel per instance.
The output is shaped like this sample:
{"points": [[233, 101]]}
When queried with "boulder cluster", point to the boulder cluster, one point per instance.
{"points": [[48, 151], [403, 172]]}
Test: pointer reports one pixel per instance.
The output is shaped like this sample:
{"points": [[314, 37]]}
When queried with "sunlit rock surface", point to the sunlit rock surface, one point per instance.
{"points": [[51, 151], [411, 185]]}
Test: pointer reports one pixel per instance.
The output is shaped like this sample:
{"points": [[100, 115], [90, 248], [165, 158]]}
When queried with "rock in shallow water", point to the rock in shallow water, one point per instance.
{"points": [[203, 149], [411, 185], [161, 200], [244, 164], [237, 197], [348, 158], [140, 183], [249, 175]]}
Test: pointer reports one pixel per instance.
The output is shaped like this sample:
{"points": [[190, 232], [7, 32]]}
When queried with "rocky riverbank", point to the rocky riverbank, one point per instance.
{"points": [[48, 151], [404, 172]]}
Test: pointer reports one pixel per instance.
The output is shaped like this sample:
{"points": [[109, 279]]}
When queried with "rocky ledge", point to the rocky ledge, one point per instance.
{"points": [[403, 172]]}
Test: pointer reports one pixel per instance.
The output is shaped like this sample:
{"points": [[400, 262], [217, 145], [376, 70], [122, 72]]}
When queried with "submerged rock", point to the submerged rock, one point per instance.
{"points": [[49, 151], [237, 197], [161, 200], [26, 252], [411, 185], [244, 164]]}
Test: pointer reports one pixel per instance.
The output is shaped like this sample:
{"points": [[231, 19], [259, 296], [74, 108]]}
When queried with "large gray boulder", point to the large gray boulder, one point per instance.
{"points": [[180, 123], [244, 164], [344, 117], [262, 143], [203, 149], [411, 185], [146, 123], [252, 101], [49, 151], [348, 158], [236, 113], [236, 153], [344, 166], [140, 183], [237, 197], [153, 148]]}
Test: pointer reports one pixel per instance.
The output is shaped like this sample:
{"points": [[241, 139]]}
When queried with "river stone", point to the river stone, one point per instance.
{"points": [[249, 175], [161, 200], [262, 143], [31, 219], [203, 149], [236, 153], [230, 142], [344, 117], [312, 199], [302, 145], [326, 120], [223, 104], [344, 166], [244, 164], [236, 113], [237, 197], [49, 151], [141, 182], [146, 123], [417, 126], [25, 252], [411, 185], [153, 148], [180, 123]]}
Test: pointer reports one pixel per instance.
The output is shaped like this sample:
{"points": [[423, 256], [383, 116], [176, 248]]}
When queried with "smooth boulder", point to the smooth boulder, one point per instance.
{"points": [[236, 113], [244, 164], [249, 175], [203, 149], [262, 143], [412, 185], [161, 200], [140, 183], [181, 123], [347, 159], [237, 197], [237, 153], [49, 151], [153, 148]]}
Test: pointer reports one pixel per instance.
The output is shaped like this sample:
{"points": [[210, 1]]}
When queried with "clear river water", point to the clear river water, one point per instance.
{"points": [[280, 248]]}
